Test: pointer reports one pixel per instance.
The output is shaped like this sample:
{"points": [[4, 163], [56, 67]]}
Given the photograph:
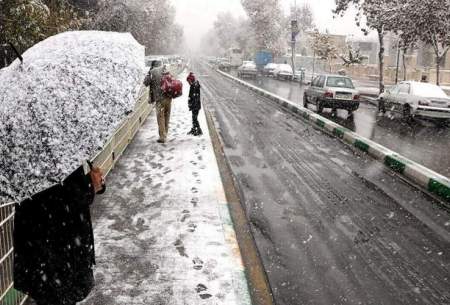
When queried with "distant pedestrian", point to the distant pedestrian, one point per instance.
{"points": [[194, 104], [54, 241], [162, 101]]}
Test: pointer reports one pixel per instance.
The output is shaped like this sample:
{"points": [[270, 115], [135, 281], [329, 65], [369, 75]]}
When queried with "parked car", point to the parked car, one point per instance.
{"points": [[269, 68], [300, 75], [283, 71], [224, 65], [248, 69], [332, 91], [416, 99]]}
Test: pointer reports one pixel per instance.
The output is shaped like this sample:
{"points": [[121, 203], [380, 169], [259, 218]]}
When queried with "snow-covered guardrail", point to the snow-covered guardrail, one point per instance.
{"points": [[419, 175], [106, 159]]}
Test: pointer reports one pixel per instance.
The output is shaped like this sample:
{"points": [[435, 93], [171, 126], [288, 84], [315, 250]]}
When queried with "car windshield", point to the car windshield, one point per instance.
{"points": [[340, 82], [428, 90]]}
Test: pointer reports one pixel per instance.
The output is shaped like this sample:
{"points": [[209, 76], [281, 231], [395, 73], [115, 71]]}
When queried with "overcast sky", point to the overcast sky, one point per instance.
{"points": [[197, 16]]}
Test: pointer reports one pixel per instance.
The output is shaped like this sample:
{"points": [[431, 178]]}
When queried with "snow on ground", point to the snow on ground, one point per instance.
{"points": [[60, 106], [163, 231]]}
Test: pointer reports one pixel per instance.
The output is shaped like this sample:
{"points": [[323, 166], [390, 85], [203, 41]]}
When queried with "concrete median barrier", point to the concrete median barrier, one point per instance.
{"points": [[434, 183]]}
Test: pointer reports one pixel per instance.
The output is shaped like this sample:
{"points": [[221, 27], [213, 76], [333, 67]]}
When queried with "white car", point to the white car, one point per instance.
{"points": [[416, 99], [269, 68], [283, 71], [332, 91], [248, 69]]}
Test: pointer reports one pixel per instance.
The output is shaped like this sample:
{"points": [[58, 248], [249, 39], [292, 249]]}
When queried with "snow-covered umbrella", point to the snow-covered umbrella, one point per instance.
{"points": [[60, 106]]}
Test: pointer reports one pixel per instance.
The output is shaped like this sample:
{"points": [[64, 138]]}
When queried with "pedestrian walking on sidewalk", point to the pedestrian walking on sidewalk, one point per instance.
{"points": [[194, 104], [163, 102], [54, 241]]}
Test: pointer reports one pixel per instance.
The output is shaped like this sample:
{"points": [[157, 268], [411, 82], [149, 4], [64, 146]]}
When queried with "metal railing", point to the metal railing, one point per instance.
{"points": [[106, 160]]}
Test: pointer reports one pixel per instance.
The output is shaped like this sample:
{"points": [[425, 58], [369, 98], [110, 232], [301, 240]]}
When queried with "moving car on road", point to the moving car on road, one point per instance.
{"points": [[283, 71], [248, 69], [332, 91], [269, 68], [224, 65], [416, 99]]}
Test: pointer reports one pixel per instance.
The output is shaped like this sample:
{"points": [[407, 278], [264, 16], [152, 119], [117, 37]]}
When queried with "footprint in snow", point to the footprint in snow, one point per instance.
{"points": [[191, 227], [202, 291], [180, 247], [194, 201], [198, 263], [186, 215]]}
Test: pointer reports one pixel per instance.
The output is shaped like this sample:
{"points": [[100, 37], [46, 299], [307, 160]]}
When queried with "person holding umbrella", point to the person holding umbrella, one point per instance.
{"points": [[54, 116], [194, 104], [54, 241]]}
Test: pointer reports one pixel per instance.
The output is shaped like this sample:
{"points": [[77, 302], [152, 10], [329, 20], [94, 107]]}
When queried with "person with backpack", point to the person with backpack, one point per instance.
{"points": [[194, 104], [163, 88]]}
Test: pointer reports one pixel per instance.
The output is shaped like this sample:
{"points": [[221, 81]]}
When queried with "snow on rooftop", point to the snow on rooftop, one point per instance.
{"points": [[61, 105]]}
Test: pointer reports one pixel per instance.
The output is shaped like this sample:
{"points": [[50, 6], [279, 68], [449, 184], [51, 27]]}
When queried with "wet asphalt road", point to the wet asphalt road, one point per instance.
{"points": [[422, 141], [332, 226]]}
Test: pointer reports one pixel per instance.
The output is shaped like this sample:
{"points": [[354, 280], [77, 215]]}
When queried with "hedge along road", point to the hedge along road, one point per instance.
{"points": [[422, 141], [332, 226]]}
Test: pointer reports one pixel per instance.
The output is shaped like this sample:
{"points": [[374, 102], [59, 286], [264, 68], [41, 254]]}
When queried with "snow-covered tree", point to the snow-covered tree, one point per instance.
{"points": [[380, 15], [232, 32], [324, 48], [353, 57], [267, 21], [427, 21], [226, 27], [152, 23], [26, 22]]}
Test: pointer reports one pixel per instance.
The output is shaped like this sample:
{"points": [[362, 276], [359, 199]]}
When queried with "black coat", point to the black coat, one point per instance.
{"points": [[194, 101], [54, 242]]}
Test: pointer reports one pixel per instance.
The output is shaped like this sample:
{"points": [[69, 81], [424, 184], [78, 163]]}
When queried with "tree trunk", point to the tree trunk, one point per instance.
{"points": [[381, 58], [404, 64], [438, 69]]}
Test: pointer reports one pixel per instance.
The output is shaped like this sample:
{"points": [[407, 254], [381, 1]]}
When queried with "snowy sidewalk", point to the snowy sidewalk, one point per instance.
{"points": [[163, 231]]}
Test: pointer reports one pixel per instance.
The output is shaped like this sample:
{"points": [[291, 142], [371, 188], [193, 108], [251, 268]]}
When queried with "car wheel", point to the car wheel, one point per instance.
{"points": [[305, 101], [381, 106], [319, 106], [407, 112]]}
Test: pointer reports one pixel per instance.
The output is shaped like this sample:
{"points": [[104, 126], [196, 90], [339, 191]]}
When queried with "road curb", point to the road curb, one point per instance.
{"points": [[257, 279], [429, 180]]}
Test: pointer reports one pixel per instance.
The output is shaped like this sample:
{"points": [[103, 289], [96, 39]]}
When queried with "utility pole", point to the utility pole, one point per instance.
{"points": [[294, 33]]}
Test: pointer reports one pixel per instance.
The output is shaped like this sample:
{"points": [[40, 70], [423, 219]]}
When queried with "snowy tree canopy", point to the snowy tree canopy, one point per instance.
{"points": [[26, 22], [426, 21], [324, 47], [61, 105], [152, 23], [267, 20], [380, 15]]}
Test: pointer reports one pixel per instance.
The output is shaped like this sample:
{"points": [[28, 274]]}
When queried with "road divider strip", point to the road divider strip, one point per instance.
{"points": [[429, 180]]}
